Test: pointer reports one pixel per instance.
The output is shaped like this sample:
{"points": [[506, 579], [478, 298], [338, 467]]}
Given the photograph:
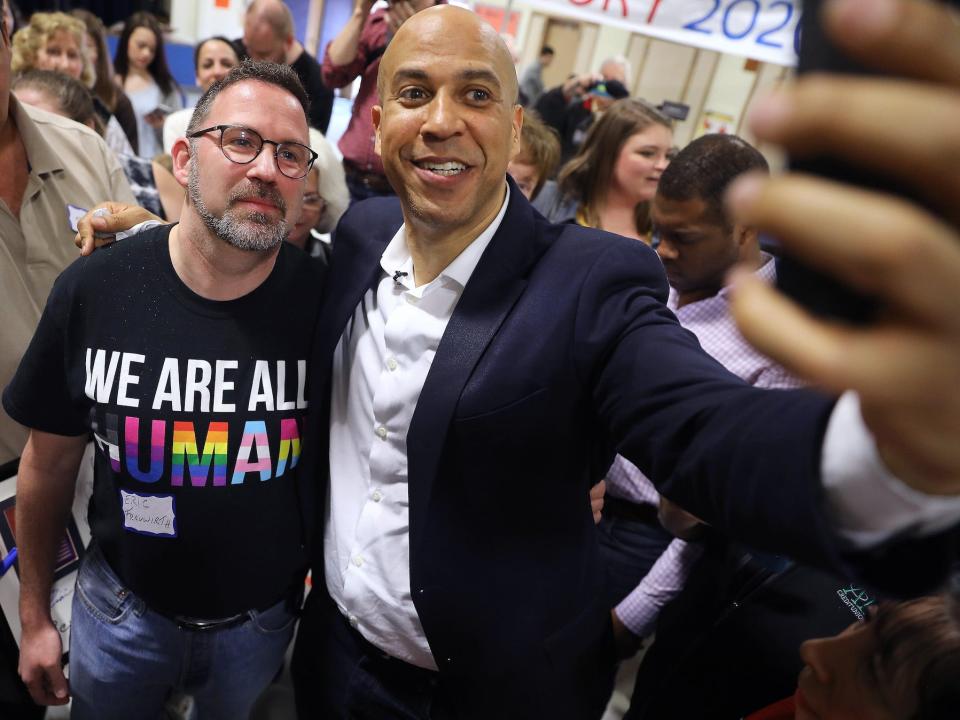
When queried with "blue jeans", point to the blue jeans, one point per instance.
{"points": [[126, 660]]}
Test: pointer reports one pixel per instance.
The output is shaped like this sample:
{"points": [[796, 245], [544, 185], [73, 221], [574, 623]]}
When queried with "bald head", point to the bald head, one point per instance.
{"points": [[274, 13], [450, 21]]}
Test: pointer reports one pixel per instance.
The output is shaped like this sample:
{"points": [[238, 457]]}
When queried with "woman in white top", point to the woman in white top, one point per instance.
{"points": [[142, 72], [212, 60]]}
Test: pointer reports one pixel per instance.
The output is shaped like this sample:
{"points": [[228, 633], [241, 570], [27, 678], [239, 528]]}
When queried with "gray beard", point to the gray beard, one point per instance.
{"points": [[255, 232]]}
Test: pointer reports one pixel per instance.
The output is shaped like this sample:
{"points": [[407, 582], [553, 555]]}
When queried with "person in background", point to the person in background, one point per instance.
{"points": [[109, 99], [612, 179], [153, 185], [268, 36], [553, 105], [68, 169], [538, 157], [142, 72], [902, 662], [355, 52], [325, 198], [212, 60], [531, 81], [57, 42]]}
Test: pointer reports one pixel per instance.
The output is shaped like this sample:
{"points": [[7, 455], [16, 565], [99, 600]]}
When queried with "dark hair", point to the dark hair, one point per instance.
{"points": [[539, 146], [158, 67], [218, 38], [918, 648], [546, 50], [73, 99], [705, 168], [103, 85], [266, 72], [586, 177]]}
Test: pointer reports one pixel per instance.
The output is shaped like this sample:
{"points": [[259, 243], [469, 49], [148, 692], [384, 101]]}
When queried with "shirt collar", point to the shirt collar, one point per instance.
{"points": [[396, 256], [40, 154], [766, 272]]}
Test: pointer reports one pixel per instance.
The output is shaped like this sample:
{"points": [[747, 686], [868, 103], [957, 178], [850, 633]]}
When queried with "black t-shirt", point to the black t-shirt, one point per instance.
{"points": [[321, 97], [198, 409]]}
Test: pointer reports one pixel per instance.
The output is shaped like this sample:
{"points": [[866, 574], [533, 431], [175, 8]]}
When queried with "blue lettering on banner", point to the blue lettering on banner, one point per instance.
{"points": [[738, 19]]}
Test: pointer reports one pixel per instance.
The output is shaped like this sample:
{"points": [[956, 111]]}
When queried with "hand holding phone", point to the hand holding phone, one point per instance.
{"points": [[904, 251]]}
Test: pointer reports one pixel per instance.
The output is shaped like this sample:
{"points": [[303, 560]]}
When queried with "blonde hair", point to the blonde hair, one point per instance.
{"points": [[30, 39]]}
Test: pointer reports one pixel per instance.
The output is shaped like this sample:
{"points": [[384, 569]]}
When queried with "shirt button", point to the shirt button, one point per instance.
{"points": [[353, 621], [412, 299], [358, 560], [376, 496], [382, 432], [391, 363]]}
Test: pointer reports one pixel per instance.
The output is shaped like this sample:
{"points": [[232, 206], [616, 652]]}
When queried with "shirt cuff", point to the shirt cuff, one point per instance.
{"points": [[639, 610], [865, 502]]}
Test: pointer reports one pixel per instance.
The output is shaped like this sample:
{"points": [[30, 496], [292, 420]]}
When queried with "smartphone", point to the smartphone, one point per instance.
{"points": [[162, 110], [820, 293]]}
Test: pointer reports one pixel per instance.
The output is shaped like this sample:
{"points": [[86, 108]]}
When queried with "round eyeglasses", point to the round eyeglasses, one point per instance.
{"points": [[242, 145]]}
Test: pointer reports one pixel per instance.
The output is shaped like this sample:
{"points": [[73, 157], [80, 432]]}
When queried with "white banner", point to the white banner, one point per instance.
{"points": [[766, 30]]}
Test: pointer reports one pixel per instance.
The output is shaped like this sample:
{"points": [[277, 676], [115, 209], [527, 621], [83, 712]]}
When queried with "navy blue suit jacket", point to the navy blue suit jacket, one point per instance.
{"points": [[561, 351]]}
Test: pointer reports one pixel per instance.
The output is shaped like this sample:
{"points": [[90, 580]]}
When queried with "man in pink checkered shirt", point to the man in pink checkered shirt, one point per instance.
{"points": [[698, 246]]}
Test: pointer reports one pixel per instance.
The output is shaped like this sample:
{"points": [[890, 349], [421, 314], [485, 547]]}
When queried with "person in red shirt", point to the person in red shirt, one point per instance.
{"points": [[355, 52]]}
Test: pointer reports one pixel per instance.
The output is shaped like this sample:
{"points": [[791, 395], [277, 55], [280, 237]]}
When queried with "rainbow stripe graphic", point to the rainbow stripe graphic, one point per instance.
{"points": [[254, 432], [184, 451], [131, 437], [289, 439]]}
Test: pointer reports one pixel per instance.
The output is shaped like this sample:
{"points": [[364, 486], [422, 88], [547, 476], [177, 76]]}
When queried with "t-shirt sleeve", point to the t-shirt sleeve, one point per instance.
{"points": [[38, 396]]}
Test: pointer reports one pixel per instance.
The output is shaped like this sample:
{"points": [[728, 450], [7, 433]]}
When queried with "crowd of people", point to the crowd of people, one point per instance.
{"points": [[508, 376]]}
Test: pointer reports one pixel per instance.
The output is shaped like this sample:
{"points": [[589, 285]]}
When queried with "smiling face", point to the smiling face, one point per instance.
{"points": [[448, 124], [249, 206], [214, 62], [61, 53], [641, 161], [141, 48]]}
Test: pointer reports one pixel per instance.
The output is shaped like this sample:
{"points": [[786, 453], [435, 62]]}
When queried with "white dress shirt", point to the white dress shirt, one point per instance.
{"points": [[379, 368]]}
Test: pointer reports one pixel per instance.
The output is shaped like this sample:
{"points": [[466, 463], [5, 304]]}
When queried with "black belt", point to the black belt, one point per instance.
{"points": [[625, 510], [201, 625], [293, 600], [370, 180]]}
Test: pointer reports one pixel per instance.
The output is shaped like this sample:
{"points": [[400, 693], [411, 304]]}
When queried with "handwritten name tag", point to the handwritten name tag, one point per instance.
{"points": [[149, 514]]}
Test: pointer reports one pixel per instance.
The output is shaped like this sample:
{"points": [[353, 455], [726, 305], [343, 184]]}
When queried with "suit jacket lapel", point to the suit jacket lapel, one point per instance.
{"points": [[497, 282]]}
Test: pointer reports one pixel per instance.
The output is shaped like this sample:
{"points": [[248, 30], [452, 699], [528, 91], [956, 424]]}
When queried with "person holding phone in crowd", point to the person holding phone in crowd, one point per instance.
{"points": [[143, 74]]}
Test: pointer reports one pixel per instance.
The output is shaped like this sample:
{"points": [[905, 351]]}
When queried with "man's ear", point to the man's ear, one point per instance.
{"points": [[745, 235], [517, 131], [376, 114], [181, 160]]}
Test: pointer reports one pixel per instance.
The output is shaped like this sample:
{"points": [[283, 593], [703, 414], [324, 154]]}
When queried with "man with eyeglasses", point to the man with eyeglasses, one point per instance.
{"points": [[180, 352]]}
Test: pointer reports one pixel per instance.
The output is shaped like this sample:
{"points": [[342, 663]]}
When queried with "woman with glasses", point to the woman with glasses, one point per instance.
{"points": [[325, 199]]}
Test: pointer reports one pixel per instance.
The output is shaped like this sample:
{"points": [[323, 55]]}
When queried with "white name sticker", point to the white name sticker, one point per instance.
{"points": [[74, 214], [149, 514]]}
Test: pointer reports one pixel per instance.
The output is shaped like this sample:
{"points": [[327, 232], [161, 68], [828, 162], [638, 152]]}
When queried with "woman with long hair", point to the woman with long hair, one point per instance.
{"points": [[611, 180], [142, 72]]}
